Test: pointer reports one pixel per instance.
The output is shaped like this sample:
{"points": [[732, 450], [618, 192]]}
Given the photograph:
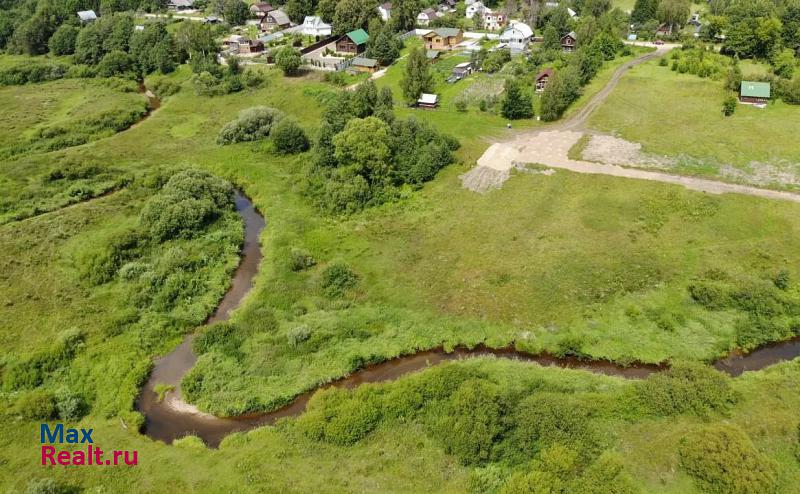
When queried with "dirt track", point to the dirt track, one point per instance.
{"points": [[550, 146]]}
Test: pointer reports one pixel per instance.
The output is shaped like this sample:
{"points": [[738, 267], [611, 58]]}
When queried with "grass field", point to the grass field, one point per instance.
{"points": [[568, 263], [680, 116]]}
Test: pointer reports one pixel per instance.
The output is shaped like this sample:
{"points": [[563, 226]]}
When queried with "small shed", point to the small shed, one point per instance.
{"points": [[754, 93], [568, 41], [433, 55], [363, 64], [542, 78], [261, 9], [463, 69], [429, 101], [87, 16], [180, 4]]}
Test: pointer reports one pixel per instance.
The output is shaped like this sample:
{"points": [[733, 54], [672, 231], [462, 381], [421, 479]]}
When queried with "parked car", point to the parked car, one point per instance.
{"points": [[658, 42]]}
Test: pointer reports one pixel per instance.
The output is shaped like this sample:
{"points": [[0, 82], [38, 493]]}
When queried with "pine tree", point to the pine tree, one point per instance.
{"points": [[384, 106], [417, 79]]}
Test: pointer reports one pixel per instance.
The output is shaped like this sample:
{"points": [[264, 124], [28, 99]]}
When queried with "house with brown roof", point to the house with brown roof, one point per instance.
{"points": [[354, 42], [385, 11], [569, 41], [443, 38], [261, 9], [543, 78], [274, 20], [241, 45], [425, 17]]}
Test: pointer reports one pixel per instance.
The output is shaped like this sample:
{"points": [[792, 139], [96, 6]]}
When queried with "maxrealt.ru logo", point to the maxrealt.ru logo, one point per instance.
{"points": [[91, 455]]}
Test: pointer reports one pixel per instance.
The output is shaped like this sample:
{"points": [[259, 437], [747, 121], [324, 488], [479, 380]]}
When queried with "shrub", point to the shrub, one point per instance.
{"points": [[546, 419], [722, 459], [222, 336], [114, 63], [36, 405], [63, 40], [70, 405], [48, 486], [31, 371], [186, 204], [340, 416], [289, 137], [781, 280], [298, 334], [163, 87], [461, 104], [663, 62], [337, 279], [189, 442], [470, 422], [252, 124], [300, 259], [288, 60], [495, 60], [686, 388], [729, 105], [710, 294]]}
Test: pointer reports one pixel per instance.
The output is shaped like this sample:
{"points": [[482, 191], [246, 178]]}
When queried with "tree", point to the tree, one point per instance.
{"points": [[89, 45], [63, 40], [289, 137], [417, 78], [327, 9], [297, 10], [195, 42], [551, 39], [118, 33], [364, 98], [596, 8], [729, 105], [784, 63], [384, 106], [516, 103], [643, 11], [768, 36], [353, 14], [673, 12], [235, 12], [288, 60], [31, 36], [383, 45], [363, 146], [404, 15], [563, 88], [114, 63]]}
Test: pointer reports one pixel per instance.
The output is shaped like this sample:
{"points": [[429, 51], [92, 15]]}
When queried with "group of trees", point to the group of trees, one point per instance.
{"points": [[364, 155], [257, 123], [647, 15]]}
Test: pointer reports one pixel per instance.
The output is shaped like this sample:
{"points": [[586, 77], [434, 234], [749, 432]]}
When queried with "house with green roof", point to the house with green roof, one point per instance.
{"points": [[354, 42], [754, 93]]}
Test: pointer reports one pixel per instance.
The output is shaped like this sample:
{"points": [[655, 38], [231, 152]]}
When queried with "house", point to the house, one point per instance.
{"points": [[432, 55], [664, 30], [385, 11], [428, 101], [363, 64], [493, 20], [474, 8], [542, 78], [572, 13], [179, 5], [354, 42], [275, 19], [261, 9], [443, 38], [87, 16], [313, 26], [461, 71], [425, 17], [517, 35], [754, 93], [568, 41], [241, 45]]}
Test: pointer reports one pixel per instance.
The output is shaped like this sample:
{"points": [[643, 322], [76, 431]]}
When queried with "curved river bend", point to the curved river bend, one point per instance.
{"points": [[172, 418]]}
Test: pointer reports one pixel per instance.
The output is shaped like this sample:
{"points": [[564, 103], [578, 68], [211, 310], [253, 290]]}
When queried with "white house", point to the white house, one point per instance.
{"points": [[493, 20], [425, 17], [474, 8], [517, 35], [313, 26], [385, 11]]}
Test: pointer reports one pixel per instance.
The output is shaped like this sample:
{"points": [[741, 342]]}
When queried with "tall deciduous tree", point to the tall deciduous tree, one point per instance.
{"points": [[516, 102], [353, 14], [417, 78]]}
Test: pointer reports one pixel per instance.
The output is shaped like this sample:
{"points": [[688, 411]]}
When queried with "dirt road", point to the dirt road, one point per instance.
{"points": [[550, 146]]}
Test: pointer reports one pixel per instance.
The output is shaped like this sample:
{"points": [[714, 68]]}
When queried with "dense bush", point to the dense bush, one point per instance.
{"points": [[517, 103], [298, 335], [470, 423], [340, 416], [337, 278], [723, 460], [186, 204], [222, 336], [63, 40], [36, 405], [289, 137], [495, 60], [163, 87], [300, 259], [288, 60], [71, 406], [545, 419], [252, 124], [31, 371], [100, 266], [32, 72], [49, 486], [686, 388]]}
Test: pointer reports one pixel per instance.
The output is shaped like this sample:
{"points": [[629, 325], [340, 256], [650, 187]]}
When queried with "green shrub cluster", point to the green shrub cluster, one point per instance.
{"points": [[289, 137], [686, 389], [364, 155], [32, 72], [700, 62], [771, 311], [252, 124], [337, 279], [723, 460], [31, 371], [189, 201]]}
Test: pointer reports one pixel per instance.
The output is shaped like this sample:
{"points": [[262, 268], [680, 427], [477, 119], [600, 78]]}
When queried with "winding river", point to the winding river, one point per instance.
{"points": [[172, 418]]}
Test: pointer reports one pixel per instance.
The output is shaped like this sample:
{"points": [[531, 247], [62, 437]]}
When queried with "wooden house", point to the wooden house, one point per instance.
{"points": [[542, 78], [354, 42], [754, 93], [443, 38], [569, 41]]}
